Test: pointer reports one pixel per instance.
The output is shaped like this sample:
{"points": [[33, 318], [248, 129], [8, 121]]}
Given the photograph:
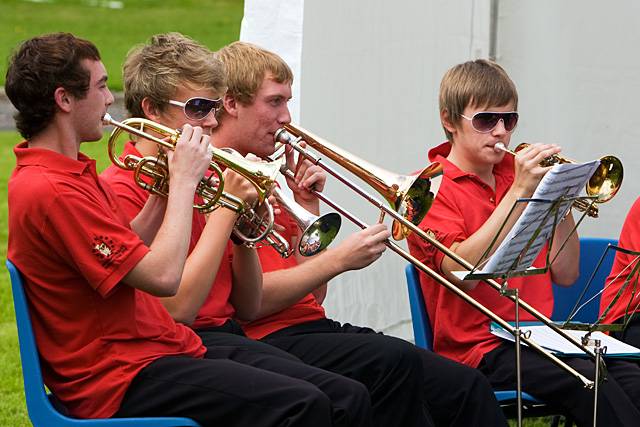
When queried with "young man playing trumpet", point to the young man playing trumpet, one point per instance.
{"points": [[173, 81], [478, 109], [107, 347], [408, 386]]}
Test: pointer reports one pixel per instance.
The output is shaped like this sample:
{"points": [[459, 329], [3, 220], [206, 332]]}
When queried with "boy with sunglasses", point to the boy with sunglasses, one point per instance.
{"points": [[478, 109], [173, 80], [403, 380]]}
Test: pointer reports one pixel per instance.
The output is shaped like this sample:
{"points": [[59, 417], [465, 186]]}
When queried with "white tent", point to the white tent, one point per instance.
{"points": [[367, 75]]}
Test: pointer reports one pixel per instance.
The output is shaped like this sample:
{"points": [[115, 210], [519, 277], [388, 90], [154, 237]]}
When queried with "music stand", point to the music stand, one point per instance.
{"points": [[534, 227], [630, 273]]}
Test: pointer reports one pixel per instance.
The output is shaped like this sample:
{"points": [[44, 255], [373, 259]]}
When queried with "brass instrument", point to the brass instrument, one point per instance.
{"points": [[317, 231], [409, 195], [602, 186], [155, 168], [250, 226], [293, 136]]}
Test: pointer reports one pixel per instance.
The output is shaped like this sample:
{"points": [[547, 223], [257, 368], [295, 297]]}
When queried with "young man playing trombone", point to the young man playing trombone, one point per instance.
{"points": [[478, 110], [175, 82], [403, 380]]}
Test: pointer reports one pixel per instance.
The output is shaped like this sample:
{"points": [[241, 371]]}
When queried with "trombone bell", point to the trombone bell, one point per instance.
{"points": [[409, 195]]}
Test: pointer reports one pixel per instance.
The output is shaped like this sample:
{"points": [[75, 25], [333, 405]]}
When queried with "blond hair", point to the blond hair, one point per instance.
{"points": [[476, 83], [156, 70], [247, 65]]}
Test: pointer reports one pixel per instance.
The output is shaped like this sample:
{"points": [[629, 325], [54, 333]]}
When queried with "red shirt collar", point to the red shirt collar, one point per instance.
{"points": [[440, 153], [30, 156]]}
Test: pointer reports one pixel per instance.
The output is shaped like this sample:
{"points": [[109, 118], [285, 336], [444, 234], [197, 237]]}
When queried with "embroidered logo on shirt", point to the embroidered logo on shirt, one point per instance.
{"points": [[102, 247]]}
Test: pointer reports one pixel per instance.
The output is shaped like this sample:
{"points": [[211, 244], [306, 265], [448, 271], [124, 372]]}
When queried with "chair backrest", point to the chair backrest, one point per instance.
{"points": [[41, 411], [565, 298], [422, 332], [423, 336]]}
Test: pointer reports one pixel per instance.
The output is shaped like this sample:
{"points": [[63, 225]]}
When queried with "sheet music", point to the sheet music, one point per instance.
{"points": [[563, 180], [552, 341]]}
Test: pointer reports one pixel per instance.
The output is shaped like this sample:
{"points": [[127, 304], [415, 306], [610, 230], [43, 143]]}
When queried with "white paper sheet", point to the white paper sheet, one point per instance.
{"points": [[562, 180], [547, 338]]}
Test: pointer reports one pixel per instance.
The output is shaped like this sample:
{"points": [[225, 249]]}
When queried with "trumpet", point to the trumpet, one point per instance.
{"points": [[603, 185], [292, 136], [250, 227], [155, 168]]}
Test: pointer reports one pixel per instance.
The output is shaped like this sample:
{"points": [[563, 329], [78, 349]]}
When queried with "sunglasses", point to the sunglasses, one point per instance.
{"points": [[486, 121], [198, 108]]}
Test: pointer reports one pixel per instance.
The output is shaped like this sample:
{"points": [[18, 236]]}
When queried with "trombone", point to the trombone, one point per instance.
{"points": [[293, 135], [602, 186]]}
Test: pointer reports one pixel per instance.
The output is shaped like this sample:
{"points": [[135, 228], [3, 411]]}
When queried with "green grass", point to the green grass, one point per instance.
{"points": [[212, 22]]}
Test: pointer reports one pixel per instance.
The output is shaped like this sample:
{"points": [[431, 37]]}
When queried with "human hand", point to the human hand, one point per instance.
{"points": [[191, 157], [528, 169], [362, 248], [307, 177]]}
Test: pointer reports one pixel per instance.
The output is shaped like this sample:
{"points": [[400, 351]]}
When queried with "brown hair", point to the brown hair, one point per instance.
{"points": [[40, 66], [475, 83], [247, 65], [157, 69]]}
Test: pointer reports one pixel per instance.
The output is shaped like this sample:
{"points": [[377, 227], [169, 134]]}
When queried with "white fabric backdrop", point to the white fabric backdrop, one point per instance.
{"points": [[367, 77]]}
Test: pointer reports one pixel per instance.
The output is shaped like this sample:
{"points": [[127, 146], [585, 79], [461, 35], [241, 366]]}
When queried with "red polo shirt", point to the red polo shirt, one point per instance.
{"points": [[73, 244], [462, 206], [305, 310], [217, 309], [629, 239]]}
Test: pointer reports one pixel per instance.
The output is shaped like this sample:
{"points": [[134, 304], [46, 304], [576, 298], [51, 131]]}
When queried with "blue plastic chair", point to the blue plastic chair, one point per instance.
{"points": [[565, 298], [41, 412], [423, 336]]}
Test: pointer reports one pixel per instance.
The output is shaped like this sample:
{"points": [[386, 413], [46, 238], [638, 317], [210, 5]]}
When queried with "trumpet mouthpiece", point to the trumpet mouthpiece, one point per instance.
{"points": [[500, 147], [106, 119]]}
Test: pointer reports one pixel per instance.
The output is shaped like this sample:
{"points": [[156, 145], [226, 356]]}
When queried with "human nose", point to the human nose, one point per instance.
{"points": [[210, 121], [284, 117], [499, 128], [110, 98]]}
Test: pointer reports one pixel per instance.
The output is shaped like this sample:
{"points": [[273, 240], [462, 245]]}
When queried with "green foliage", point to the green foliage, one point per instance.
{"points": [[115, 30]]}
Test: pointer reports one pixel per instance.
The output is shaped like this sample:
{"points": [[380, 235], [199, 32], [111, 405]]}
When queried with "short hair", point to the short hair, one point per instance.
{"points": [[156, 70], [40, 66], [475, 83], [247, 65]]}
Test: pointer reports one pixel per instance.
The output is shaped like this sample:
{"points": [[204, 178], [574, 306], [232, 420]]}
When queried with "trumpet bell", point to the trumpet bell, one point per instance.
{"points": [[606, 180], [319, 234]]}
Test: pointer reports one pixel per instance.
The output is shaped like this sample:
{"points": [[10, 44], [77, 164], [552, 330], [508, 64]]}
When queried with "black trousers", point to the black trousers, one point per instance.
{"points": [[400, 376], [618, 396], [245, 382]]}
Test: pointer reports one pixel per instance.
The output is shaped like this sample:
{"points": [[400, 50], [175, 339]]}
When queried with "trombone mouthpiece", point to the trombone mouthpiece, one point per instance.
{"points": [[106, 119]]}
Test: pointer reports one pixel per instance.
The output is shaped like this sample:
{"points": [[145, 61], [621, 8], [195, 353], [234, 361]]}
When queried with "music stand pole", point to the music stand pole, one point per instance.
{"points": [[599, 351]]}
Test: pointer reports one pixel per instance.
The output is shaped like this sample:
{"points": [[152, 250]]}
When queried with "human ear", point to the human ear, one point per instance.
{"points": [[150, 111], [230, 105], [447, 123], [62, 99]]}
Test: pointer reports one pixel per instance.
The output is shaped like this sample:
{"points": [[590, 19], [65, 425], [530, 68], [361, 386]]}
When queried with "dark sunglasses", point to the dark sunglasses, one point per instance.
{"points": [[486, 121], [198, 108]]}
